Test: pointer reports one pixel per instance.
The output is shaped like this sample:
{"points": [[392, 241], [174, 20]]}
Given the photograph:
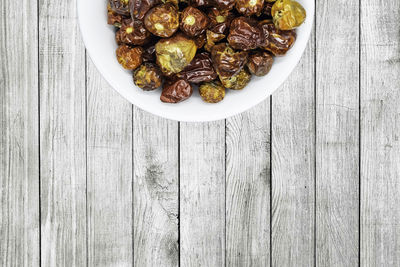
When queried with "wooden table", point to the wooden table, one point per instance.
{"points": [[310, 177]]}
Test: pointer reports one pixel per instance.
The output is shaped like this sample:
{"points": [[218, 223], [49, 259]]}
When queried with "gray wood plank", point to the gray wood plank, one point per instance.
{"points": [[248, 188], [19, 130], [337, 128], [380, 133], [62, 135], [293, 166], [109, 174], [156, 173], [202, 194]]}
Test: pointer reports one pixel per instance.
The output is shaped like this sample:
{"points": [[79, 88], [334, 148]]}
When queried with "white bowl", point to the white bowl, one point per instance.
{"points": [[99, 38]]}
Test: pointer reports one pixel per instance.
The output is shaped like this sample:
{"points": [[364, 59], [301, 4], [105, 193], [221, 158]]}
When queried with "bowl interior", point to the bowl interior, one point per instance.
{"points": [[99, 38]]}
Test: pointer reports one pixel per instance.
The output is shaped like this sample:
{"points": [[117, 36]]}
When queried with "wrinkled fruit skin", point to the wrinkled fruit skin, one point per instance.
{"points": [[238, 81], [176, 90], [267, 9], [130, 58], [249, 7], [212, 38], [260, 63], [200, 40], [219, 21], [139, 8], [120, 7], [149, 54], [245, 34], [132, 32], [288, 14], [199, 70], [200, 3], [193, 21], [226, 61], [212, 92], [276, 41], [114, 18], [225, 5], [162, 20], [175, 53], [148, 77]]}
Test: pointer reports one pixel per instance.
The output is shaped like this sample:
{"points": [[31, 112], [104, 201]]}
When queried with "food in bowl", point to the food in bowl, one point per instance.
{"points": [[215, 44]]}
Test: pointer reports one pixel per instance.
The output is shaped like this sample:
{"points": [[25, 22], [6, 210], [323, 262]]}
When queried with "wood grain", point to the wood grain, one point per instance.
{"points": [[62, 135], [380, 133], [156, 190], [337, 128], [109, 174], [293, 166], [19, 134], [248, 188], [202, 194]]}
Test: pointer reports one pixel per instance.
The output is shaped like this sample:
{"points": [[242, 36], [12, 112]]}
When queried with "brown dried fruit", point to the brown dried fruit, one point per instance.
{"points": [[148, 77], [130, 58], [250, 7], [245, 34], [199, 70], [139, 8], [149, 54], [132, 32], [176, 90], [276, 41], [200, 40], [225, 5], [114, 18], [162, 20], [260, 63], [267, 9], [226, 61], [200, 3], [120, 6], [220, 21], [193, 21]]}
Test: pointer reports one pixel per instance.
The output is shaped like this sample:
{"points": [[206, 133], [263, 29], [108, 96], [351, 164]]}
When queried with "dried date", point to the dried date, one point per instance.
{"points": [[245, 34], [226, 61], [260, 63], [276, 41], [176, 90], [199, 70]]}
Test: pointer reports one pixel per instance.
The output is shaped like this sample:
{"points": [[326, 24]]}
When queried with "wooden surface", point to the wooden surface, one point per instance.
{"points": [[310, 177], [337, 133]]}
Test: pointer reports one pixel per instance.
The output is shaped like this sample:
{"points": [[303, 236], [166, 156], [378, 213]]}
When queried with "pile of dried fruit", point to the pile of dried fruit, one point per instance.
{"points": [[216, 44]]}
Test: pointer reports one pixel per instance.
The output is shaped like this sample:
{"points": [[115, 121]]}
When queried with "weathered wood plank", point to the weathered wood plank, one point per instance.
{"points": [[248, 188], [380, 133], [337, 127], [109, 174], [156, 173], [293, 166], [19, 130], [62, 135], [202, 194]]}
